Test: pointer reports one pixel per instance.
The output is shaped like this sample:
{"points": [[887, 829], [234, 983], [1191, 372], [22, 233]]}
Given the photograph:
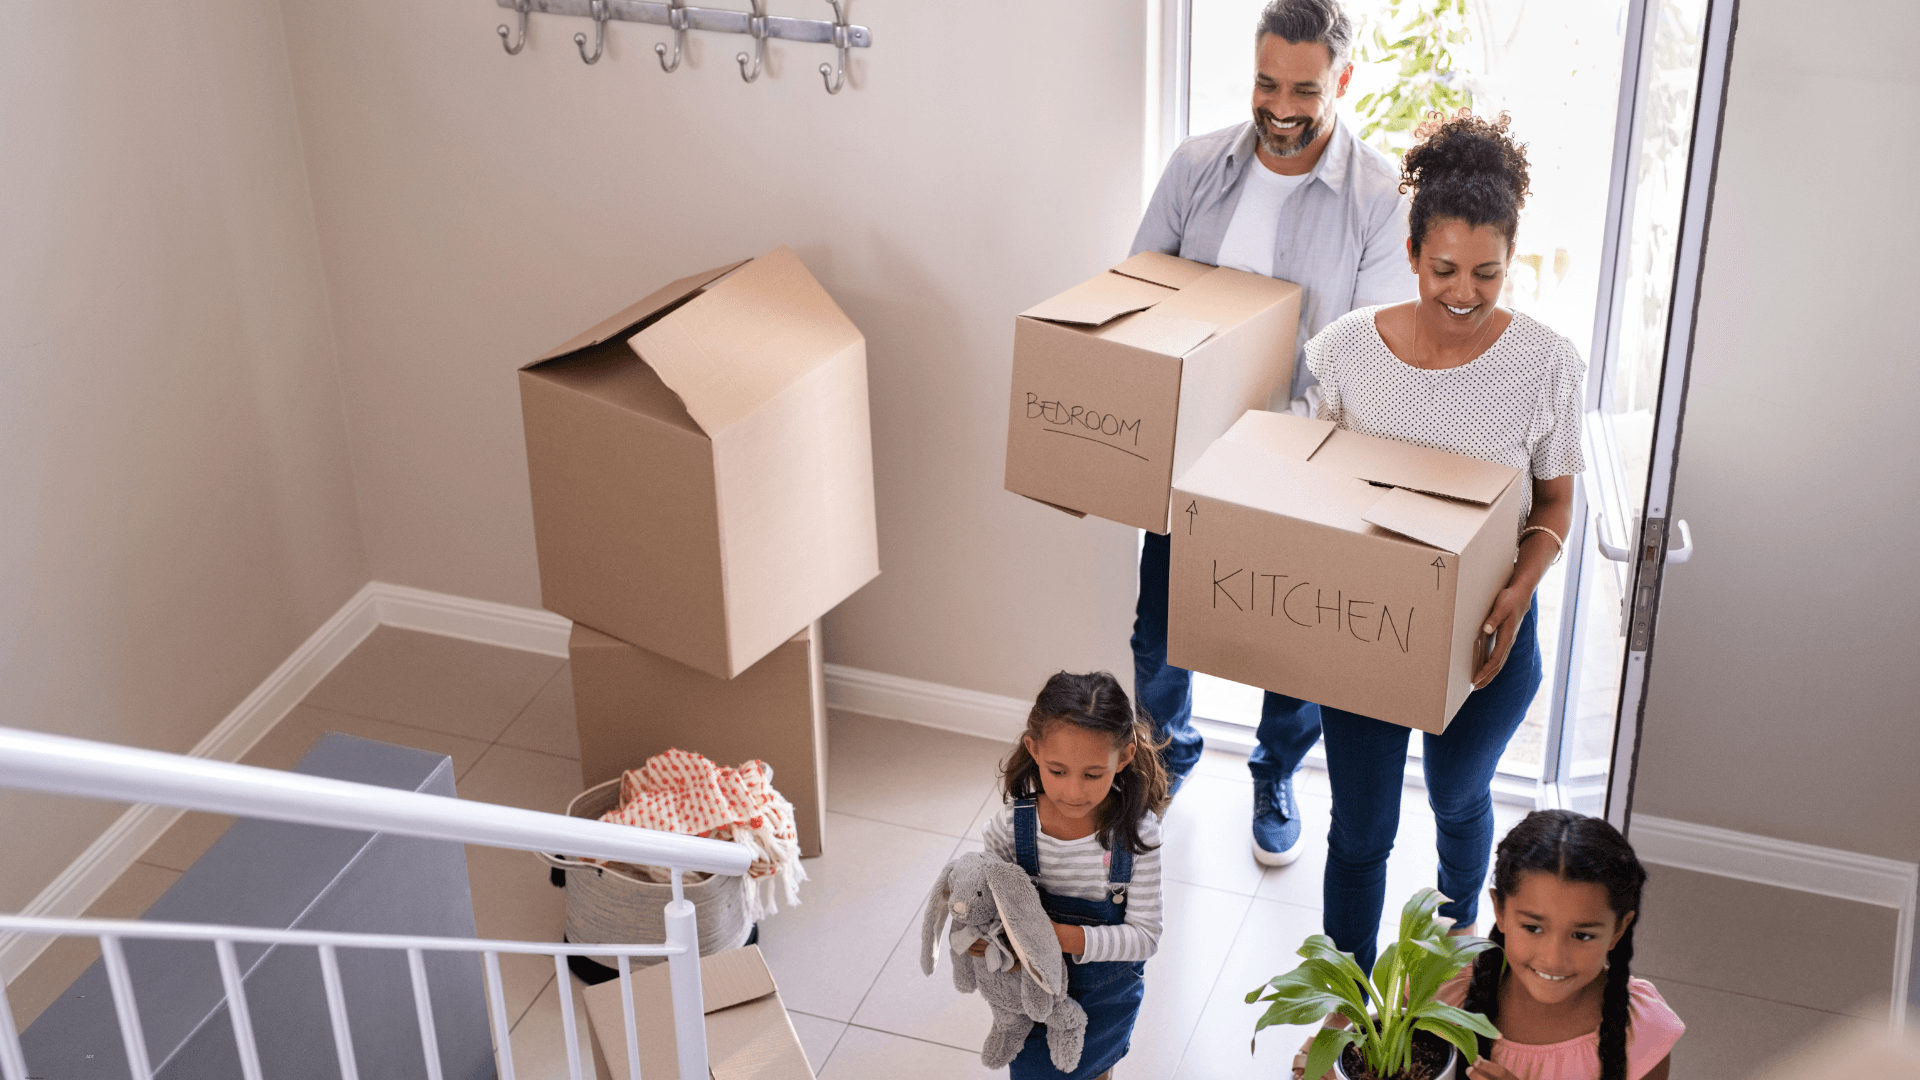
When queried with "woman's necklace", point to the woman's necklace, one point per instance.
{"points": [[1473, 350]]}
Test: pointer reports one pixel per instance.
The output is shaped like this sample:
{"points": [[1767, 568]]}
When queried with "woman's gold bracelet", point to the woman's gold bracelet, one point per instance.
{"points": [[1559, 545]]}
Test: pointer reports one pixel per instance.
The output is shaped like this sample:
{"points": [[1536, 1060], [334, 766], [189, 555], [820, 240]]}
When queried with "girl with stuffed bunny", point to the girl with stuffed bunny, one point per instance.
{"points": [[1084, 791]]}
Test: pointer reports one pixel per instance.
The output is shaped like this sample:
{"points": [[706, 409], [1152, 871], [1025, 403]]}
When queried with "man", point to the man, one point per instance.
{"points": [[1291, 194]]}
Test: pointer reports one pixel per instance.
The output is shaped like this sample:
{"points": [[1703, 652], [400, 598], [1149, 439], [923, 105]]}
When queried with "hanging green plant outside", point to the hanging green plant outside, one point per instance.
{"points": [[1420, 36]]}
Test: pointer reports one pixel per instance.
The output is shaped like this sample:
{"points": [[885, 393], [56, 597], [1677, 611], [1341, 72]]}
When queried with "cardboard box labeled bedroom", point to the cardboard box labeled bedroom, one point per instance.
{"points": [[1339, 568], [702, 467], [1120, 382]]}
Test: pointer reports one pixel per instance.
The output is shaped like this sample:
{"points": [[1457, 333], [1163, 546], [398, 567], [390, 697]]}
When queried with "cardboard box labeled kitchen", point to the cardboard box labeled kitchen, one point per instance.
{"points": [[749, 1035], [702, 467], [1339, 568], [1120, 382], [631, 704]]}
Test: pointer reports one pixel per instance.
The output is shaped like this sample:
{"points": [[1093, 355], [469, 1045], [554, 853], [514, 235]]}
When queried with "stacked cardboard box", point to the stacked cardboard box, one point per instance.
{"points": [[702, 479]]}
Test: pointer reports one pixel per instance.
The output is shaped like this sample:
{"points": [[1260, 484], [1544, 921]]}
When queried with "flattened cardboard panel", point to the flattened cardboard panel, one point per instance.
{"points": [[1238, 369], [1091, 424], [734, 347], [1281, 434], [1248, 476], [626, 522], [1154, 332], [797, 527], [1353, 622], [1161, 269], [1421, 468], [665, 296], [1443, 523], [630, 704], [1099, 300]]}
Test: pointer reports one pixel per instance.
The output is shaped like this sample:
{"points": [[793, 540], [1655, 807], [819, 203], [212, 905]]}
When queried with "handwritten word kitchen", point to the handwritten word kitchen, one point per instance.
{"points": [[1304, 603], [1063, 415]]}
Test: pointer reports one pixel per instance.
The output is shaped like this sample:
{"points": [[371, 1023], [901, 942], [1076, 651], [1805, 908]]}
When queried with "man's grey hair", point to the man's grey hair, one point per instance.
{"points": [[1322, 22]]}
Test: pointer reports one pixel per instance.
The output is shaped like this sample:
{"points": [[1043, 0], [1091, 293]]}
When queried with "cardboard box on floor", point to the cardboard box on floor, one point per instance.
{"points": [[1120, 382], [631, 704], [749, 1036], [702, 466], [1339, 568]]}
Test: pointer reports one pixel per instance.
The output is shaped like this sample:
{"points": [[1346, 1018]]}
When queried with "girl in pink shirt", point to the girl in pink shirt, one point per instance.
{"points": [[1566, 893]]}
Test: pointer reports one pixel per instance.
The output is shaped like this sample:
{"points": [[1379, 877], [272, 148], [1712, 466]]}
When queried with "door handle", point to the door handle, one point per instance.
{"points": [[1675, 555]]}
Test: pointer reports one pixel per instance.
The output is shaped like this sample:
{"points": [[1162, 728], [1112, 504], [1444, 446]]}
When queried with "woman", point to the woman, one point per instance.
{"points": [[1453, 371]]}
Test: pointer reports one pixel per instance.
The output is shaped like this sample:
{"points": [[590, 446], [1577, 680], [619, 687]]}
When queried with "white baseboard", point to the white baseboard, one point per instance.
{"points": [[936, 705], [1844, 875], [510, 627]]}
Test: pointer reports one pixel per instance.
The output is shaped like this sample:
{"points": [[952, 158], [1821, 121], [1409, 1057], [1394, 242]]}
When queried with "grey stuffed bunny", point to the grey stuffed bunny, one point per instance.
{"points": [[985, 894]]}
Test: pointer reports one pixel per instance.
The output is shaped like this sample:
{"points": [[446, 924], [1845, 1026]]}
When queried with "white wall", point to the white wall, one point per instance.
{"points": [[176, 498], [476, 209], [1785, 688]]}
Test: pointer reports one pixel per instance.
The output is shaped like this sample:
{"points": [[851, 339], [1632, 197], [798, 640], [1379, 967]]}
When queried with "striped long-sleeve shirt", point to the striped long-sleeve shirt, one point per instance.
{"points": [[1079, 868]]}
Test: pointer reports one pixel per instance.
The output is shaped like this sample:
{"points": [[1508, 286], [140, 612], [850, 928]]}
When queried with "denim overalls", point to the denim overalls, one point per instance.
{"points": [[1111, 991]]}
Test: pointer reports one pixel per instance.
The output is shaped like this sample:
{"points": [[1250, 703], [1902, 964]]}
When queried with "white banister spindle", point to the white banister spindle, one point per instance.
{"points": [[626, 1012], [237, 1010], [124, 1008], [689, 1005], [423, 1008], [337, 1014], [13, 1064], [497, 1000], [563, 985]]}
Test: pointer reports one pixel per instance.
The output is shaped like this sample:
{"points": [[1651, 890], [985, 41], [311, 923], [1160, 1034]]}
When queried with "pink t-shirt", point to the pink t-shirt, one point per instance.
{"points": [[1650, 1038]]}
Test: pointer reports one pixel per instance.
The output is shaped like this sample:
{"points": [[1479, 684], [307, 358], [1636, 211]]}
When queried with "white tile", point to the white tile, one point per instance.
{"points": [[539, 1038], [818, 1036], [1208, 836], [1731, 1036], [446, 684], [860, 896], [906, 774], [548, 723], [513, 901], [865, 1054], [1200, 925], [905, 1002], [1264, 947]]}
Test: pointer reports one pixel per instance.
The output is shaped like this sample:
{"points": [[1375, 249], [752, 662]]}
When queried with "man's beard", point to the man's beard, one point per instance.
{"points": [[1301, 138]]}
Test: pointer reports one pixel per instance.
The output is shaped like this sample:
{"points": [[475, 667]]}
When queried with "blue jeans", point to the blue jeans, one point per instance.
{"points": [[1366, 762], [1288, 726]]}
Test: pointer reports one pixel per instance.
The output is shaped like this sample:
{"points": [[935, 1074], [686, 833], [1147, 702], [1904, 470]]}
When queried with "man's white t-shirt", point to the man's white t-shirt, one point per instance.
{"points": [[1253, 232]]}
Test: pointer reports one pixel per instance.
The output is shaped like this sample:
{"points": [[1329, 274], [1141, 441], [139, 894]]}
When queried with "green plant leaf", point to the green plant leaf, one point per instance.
{"points": [[1326, 1048], [1461, 1039], [1452, 1014], [1417, 917], [1298, 998]]}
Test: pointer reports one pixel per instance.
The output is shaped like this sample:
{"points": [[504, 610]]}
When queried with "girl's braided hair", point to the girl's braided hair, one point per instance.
{"points": [[1096, 702], [1572, 847], [1467, 169]]}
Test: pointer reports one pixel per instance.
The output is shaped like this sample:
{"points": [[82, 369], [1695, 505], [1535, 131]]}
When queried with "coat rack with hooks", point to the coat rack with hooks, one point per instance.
{"points": [[676, 15]]}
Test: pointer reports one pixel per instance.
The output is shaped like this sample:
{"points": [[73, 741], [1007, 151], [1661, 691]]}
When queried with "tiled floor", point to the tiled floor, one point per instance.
{"points": [[902, 800]]}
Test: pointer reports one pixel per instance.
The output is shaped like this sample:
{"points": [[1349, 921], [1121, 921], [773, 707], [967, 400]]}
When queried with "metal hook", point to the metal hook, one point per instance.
{"points": [[505, 41], [678, 19], [599, 9], [842, 41], [756, 26]]}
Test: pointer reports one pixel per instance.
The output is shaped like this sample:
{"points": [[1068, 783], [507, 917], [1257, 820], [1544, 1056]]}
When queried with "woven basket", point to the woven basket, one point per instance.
{"points": [[606, 906]]}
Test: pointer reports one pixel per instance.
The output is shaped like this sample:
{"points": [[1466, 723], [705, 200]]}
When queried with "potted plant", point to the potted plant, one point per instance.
{"points": [[1397, 1031]]}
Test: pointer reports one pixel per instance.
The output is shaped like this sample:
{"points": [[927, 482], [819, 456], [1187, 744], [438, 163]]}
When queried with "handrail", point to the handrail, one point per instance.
{"points": [[259, 935], [67, 766]]}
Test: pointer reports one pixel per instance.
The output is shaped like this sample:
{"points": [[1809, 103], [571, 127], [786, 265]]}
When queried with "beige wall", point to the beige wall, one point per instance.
{"points": [[176, 498], [1785, 692], [476, 209]]}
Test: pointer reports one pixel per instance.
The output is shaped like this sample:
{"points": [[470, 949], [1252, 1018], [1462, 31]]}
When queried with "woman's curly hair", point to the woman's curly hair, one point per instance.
{"points": [[1467, 169]]}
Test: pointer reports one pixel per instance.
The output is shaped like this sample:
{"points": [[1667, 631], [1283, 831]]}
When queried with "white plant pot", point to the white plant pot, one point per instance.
{"points": [[1451, 1072]]}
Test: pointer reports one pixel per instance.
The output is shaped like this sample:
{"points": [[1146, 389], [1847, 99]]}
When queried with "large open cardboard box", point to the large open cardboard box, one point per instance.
{"points": [[1339, 568], [631, 704], [749, 1036], [702, 465], [1120, 382]]}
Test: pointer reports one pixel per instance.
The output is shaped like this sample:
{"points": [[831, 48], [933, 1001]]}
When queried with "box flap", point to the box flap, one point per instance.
{"points": [[1441, 523], [1419, 468], [1100, 300], [1168, 335], [1169, 270], [730, 349], [1292, 437], [729, 978], [665, 296], [1238, 472], [750, 1038]]}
